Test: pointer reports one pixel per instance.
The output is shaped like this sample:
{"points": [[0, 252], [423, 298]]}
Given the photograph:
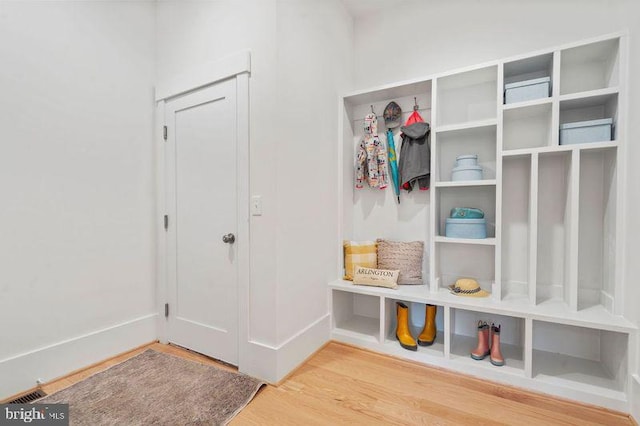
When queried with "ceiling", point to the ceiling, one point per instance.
{"points": [[359, 8]]}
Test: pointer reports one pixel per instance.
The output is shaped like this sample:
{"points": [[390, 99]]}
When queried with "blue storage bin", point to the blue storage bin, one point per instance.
{"points": [[467, 160], [528, 90], [466, 173], [466, 168], [586, 131], [466, 228]]}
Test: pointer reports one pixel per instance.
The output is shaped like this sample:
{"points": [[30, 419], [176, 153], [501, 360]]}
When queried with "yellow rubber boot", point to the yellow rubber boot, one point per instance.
{"points": [[402, 331], [428, 335]]}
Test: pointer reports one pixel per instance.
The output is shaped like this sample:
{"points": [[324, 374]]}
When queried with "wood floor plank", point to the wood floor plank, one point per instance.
{"points": [[365, 360], [344, 385], [372, 399], [442, 394]]}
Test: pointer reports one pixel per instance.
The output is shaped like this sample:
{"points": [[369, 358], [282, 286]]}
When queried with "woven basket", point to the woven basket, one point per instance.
{"points": [[406, 257]]}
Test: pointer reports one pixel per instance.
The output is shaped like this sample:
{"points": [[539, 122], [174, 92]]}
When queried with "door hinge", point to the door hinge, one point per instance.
{"points": [[164, 132], [166, 310], [166, 222]]}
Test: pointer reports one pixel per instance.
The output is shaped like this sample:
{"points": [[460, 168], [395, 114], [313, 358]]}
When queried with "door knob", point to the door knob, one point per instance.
{"points": [[229, 238]]}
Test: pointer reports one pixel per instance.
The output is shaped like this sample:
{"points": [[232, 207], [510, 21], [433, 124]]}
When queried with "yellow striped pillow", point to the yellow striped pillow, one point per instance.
{"points": [[362, 253]]}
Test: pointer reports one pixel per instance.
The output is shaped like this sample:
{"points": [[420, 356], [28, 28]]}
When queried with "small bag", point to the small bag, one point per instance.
{"points": [[466, 213], [375, 277]]}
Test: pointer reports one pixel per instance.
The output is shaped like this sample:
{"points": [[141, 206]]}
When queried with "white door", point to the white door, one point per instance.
{"points": [[202, 196]]}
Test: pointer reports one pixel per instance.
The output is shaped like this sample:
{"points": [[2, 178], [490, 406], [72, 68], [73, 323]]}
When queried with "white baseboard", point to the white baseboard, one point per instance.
{"points": [[20, 372], [272, 364], [260, 361], [296, 349], [635, 397]]}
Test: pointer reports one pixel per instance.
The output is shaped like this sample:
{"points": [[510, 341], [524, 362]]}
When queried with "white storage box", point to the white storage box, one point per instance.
{"points": [[586, 131], [527, 90]]}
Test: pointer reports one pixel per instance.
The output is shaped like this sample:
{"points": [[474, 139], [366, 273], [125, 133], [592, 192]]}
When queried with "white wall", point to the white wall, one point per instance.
{"points": [[77, 217], [301, 61], [314, 68], [417, 39], [422, 38]]}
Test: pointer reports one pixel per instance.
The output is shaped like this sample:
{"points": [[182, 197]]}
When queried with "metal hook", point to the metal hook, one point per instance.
{"points": [[415, 104], [372, 111]]}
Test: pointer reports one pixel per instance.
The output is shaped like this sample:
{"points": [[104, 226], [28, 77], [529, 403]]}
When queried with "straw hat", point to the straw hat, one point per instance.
{"points": [[468, 287]]}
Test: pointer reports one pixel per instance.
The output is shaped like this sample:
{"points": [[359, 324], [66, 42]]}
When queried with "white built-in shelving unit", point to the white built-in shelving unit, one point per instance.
{"points": [[553, 256]]}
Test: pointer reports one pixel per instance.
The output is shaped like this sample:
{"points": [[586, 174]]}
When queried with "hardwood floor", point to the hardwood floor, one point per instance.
{"points": [[345, 385]]}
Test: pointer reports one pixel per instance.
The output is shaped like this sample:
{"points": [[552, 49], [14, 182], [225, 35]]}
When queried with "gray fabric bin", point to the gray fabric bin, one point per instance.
{"points": [[586, 131]]}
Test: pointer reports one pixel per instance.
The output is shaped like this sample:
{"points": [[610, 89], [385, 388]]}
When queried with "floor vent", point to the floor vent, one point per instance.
{"points": [[29, 398]]}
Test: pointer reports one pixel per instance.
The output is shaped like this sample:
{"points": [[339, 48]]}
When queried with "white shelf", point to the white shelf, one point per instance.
{"points": [[466, 126], [466, 96], [590, 66], [447, 146], [553, 216], [597, 98], [569, 371], [560, 148], [392, 347], [384, 93], [527, 104], [473, 241], [529, 126], [595, 317], [360, 327], [460, 183], [408, 293], [590, 96]]}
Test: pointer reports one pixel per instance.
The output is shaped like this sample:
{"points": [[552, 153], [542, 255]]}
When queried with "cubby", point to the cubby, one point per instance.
{"points": [[554, 227], [591, 66], [371, 213], [480, 141], [464, 338], [456, 261], [482, 197], [527, 127], [597, 229], [416, 325], [357, 315], [516, 226], [467, 97], [551, 259], [529, 68], [590, 108], [580, 356]]}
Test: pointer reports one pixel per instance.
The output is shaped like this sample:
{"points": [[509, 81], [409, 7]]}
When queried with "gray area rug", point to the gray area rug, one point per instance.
{"points": [[154, 388]]}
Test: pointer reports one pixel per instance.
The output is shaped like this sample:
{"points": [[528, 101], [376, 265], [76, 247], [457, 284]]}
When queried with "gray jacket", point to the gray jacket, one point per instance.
{"points": [[415, 156]]}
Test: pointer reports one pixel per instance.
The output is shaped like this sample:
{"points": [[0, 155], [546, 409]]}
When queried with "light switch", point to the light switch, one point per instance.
{"points": [[256, 205]]}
